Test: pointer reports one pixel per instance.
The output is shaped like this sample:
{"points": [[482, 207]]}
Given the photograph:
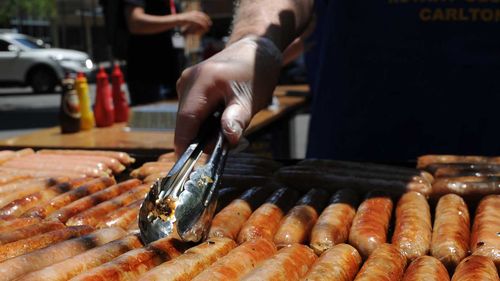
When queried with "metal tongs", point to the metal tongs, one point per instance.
{"points": [[185, 200]]}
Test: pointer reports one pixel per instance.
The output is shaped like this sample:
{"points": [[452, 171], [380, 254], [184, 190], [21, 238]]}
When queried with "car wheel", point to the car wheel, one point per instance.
{"points": [[42, 80]]}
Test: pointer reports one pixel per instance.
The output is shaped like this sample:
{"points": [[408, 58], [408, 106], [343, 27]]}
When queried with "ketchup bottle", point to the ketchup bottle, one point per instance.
{"points": [[103, 108], [119, 101], [69, 112]]}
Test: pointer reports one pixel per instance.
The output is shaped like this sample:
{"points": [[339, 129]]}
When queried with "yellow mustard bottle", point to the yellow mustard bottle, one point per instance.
{"points": [[87, 120]]}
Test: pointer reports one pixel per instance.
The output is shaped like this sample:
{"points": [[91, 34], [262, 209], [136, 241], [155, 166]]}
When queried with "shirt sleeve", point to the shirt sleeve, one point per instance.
{"points": [[138, 3]]}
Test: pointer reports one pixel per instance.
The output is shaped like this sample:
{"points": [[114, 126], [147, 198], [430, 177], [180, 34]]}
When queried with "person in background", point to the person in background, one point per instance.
{"points": [[392, 79], [152, 64]]}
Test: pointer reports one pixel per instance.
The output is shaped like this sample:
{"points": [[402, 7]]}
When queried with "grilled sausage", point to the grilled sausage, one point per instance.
{"points": [[239, 261], [370, 224], [28, 231], [31, 244], [192, 262], [94, 215], [296, 226], [41, 173], [426, 268], [475, 268], [131, 265], [71, 267], [467, 187], [21, 205], [450, 237], [289, 264], [386, 263], [39, 259], [123, 216], [265, 221], [229, 221], [88, 170], [107, 162], [17, 223], [6, 178], [123, 157], [413, 230], [335, 221], [84, 203], [485, 238], [340, 263], [425, 161], [26, 187], [70, 196]]}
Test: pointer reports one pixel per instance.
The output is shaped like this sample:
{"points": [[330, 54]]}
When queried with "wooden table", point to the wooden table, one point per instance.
{"points": [[120, 137]]}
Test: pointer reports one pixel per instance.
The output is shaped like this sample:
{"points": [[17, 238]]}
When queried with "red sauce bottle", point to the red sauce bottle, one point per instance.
{"points": [[119, 100], [103, 108]]}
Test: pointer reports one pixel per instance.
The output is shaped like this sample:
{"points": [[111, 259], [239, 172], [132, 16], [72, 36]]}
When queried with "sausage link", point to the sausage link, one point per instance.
{"points": [[475, 268], [340, 263], [335, 221], [31, 244], [450, 237], [413, 230], [123, 216], [371, 223], [86, 202], [94, 215], [28, 231], [17, 223], [192, 262], [289, 264], [71, 267], [239, 261], [427, 160], [64, 199], [386, 263], [426, 268], [296, 226], [265, 221], [485, 238], [467, 187], [133, 264], [40, 173], [39, 259], [23, 188], [229, 221], [123, 157]]}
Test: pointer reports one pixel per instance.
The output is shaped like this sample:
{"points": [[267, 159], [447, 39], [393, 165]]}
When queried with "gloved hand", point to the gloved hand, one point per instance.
{"points": [[241, 77]]}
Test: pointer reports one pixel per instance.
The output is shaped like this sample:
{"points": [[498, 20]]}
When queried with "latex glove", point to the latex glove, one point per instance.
{"points": [[253, 62], [194, 22]]}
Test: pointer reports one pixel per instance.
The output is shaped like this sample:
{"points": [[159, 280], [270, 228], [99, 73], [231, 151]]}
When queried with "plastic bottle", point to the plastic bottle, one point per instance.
{"points": [[69, 112], [119, 101], [87, 120], [103, 109]]}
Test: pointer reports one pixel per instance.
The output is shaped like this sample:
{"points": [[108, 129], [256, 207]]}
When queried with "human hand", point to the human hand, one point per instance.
{"points": [[194, 22], [241, 77]]}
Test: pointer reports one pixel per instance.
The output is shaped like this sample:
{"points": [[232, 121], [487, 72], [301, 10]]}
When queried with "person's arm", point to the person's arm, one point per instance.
{"points": [[141, 23], [262, 30]]}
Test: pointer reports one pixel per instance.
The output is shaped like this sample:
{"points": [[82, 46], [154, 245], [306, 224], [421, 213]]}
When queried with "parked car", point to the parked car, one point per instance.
{"points": [[25, 60]]}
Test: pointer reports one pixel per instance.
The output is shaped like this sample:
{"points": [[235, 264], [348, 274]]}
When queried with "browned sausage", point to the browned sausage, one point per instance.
{"points": [[28, 231], [265, 221], [123, 216], [485, 238], [131, 265], [84, 203], [450, 237], [75, 265], [26, 187], [340, 263], [6, 178], [467, 187], [289, 264], [17, 223], [228, 222], [465, 170], [296, 226], [386, 263], [41, 173], [123, 157], [39, 259], [426, 268], [475, 268], [62, 200], [335, 221], [371, 223], [107, 162], [239, 261], [31, 244], [413, 229], [21, 205], [427, 160], [94, 215], [192, 262], [26, 164]]}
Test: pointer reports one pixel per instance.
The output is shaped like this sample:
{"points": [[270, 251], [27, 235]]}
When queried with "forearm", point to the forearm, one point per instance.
{"points": [[141, 23], [281, 21]]}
